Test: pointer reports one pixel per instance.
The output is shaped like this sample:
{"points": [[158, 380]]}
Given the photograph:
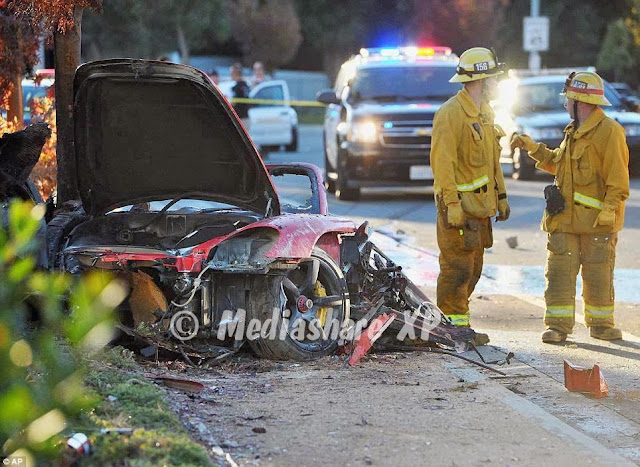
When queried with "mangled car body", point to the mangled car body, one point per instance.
{"points": [[176, 200]]}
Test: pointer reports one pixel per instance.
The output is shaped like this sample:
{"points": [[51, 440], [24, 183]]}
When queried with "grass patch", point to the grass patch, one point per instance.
{"points": [[158, 437]]}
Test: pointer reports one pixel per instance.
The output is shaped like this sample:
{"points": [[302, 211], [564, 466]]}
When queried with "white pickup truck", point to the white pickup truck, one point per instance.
{"points": [[270, 125]]}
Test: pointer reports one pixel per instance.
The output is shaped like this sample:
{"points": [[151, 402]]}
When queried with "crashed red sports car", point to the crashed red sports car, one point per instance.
{"points": [[177, 201]]}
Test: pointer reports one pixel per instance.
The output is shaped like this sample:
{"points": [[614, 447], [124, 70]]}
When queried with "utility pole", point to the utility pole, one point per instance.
{"points": [[534, 56]]}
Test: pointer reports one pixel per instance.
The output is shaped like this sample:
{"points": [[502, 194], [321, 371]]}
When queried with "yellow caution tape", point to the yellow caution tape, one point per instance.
{"points": [[246, 100]]}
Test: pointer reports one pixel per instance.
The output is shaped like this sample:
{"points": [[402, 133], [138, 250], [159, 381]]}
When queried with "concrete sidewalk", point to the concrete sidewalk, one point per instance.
{"points": [[515, 324]]}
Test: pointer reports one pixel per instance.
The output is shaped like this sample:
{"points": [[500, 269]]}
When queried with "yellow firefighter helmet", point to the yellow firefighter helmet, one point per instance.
{"points": [[585, 86], [477, 63]]}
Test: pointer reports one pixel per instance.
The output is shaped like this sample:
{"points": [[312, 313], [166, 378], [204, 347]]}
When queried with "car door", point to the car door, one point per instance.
{"points": [[270, 123]]}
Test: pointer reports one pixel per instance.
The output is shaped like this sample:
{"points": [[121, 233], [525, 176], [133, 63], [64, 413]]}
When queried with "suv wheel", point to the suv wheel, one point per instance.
{"points": [[523, 166], [343, 191], [293, 147], [329, 184]]}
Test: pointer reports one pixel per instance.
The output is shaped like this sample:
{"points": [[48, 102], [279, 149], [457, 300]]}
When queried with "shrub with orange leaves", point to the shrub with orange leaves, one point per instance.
{"points": [[44, 174]]}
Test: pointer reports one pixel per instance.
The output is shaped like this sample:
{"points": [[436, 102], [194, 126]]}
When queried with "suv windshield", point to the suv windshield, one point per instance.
{"points": [[541, 97], [403, 83]]}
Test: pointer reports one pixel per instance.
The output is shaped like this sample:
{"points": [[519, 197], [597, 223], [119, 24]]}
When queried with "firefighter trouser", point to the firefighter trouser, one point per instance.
{"points": [[567, 252], [461, 255]]}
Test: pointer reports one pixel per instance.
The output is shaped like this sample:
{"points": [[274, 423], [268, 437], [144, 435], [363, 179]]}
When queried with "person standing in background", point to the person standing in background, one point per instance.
{"points": [[258, 74]]}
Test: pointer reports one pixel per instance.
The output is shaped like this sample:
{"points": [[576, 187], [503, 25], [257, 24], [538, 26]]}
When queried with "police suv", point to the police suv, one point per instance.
{"points": [[378, 123]]}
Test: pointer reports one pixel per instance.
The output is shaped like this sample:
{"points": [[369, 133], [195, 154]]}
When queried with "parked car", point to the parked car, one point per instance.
{"points": [[379, 117], [627, 95], [174, 196], [534, 105], [271, 125]]}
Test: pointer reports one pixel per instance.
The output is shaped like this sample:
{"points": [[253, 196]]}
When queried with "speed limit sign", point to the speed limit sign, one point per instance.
{"points": [[535, 34]]}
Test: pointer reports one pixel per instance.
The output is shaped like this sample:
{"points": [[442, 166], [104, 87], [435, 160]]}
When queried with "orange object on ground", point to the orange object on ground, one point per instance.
{"points": [[584, 380]]}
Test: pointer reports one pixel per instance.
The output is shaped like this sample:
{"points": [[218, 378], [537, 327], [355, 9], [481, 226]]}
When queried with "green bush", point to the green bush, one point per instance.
{"points": [[41, 384]]}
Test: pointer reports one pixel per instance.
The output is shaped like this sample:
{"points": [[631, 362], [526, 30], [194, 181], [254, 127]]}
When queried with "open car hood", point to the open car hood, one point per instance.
{"points": [[148, 130]]}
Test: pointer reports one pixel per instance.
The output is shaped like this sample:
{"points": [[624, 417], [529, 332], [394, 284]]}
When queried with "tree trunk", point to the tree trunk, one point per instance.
{"points": [[183, 46], [67, 59], [16, 105]]}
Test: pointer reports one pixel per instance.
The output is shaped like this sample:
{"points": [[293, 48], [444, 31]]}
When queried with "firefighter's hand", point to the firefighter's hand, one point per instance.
{"points": [[455, 214], [504, 211], [606, 217], [523, 142]]}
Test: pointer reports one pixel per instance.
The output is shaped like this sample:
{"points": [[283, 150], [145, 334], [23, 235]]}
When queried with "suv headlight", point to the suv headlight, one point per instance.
{"points": [[363, 132], [544, 133], [632, 130]]}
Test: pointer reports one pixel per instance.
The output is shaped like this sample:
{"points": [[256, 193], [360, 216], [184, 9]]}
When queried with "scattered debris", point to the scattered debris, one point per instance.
{"points": [[512, 242], [362, 422], [514, 389], [589, 381], [176, 383], [367, 338], [112, 398], [259, 429], [78, 444]]}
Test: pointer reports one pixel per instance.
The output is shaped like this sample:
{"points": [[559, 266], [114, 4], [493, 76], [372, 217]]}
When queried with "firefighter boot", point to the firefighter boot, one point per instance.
{"points": [[606, 334], [552, 336]]}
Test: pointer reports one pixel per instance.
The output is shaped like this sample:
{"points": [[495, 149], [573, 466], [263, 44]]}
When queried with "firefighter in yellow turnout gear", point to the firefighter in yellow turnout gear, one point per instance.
{"points": [[468, 181], [591, 169]]}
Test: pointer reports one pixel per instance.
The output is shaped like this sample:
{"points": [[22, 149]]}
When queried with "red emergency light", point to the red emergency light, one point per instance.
{"points": [[428, 51]]}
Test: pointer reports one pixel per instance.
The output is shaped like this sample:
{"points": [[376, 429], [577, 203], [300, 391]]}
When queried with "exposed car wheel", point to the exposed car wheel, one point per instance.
{"points": [[305, 309], [293, 147], [523, 166]]}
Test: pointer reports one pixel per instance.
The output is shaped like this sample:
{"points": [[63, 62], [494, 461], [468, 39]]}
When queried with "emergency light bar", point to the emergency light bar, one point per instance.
{"points": [[408, 52]]}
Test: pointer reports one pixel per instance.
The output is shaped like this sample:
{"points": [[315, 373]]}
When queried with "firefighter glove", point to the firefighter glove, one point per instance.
{"points": [[455, 215], [524, 142], [504, 211], [605, 217]]}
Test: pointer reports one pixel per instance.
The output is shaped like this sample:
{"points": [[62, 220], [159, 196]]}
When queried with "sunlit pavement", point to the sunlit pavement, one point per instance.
{"points": [[508, 301]]}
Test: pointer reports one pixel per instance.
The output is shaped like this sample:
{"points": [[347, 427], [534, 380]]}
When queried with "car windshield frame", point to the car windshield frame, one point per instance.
{"points": [[180, 206], [403, 83]]}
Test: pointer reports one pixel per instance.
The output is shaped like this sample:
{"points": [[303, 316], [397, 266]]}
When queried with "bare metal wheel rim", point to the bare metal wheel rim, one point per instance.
{"points": [[314, 298]]}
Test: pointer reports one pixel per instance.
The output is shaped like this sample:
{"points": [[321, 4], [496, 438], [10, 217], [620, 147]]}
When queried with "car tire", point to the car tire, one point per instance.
{"points": [[293, 147], [523, 166], [329, 184], [59, 227], [269, 293], [343, 191]]}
